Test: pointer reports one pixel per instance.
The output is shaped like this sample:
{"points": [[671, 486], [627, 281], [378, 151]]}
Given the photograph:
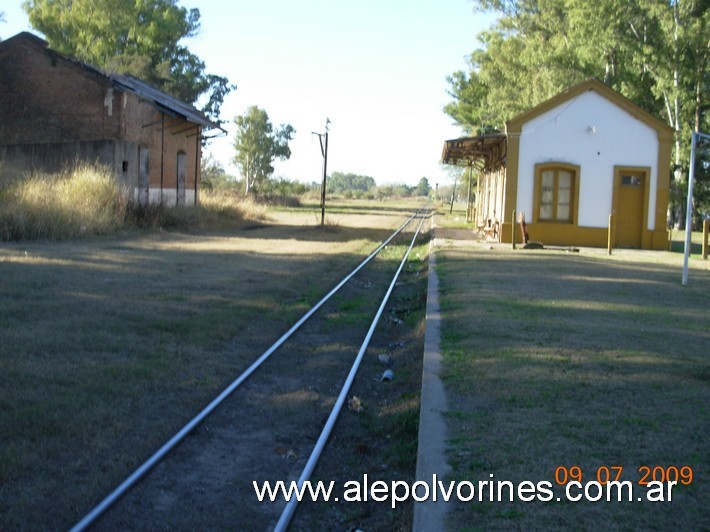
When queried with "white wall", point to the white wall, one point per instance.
{"points": [[168, 196], [592, 132]]}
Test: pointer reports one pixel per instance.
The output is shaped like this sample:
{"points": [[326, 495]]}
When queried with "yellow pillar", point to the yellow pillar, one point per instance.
{"points": [[610, 236]]}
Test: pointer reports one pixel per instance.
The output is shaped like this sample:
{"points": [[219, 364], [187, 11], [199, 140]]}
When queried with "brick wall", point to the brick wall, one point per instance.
{"points": [[53, 110], [44, 98]]}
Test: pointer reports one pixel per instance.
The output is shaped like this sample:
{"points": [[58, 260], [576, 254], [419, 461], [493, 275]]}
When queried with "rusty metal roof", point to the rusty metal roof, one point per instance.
{"points": [[467, 150], [162, 100], [153, 95]]}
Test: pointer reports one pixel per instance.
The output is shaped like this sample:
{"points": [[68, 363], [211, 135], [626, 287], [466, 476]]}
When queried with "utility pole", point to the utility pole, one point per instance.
{"points": [[453, 196], [324, 153]]}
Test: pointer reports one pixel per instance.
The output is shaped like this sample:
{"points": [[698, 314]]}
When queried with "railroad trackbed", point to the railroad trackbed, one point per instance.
{"points": [[341, 383]]}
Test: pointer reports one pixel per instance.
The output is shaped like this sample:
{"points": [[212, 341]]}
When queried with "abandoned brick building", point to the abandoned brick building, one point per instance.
{"points": [[55, 111]]}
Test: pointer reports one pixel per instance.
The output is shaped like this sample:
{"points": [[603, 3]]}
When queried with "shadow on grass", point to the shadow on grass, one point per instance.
{"points": [[558, 360], [107, 343]]}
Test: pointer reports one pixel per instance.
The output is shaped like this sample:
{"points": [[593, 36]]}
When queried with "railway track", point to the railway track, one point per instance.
{"points": [[277, 424]]}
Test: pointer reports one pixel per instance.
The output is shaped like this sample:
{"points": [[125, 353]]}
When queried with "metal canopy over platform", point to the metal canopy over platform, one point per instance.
{"points": [[465, 151]]}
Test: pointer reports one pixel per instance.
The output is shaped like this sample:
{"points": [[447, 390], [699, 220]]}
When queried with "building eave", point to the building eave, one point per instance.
{"points": [[466, 151]]}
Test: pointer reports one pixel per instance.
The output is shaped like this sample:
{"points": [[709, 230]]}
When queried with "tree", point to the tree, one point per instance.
{"points": [[340, 182], [258, 144], [423, 188], [137, 37], [654, 52], [213, 175]]}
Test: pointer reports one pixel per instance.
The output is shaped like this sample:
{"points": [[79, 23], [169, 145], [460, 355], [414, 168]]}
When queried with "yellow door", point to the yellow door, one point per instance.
{"points": [[629, 223]]}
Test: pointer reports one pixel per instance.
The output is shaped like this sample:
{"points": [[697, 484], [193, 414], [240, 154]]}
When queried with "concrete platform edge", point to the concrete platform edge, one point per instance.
{"points": [[431, 454]]}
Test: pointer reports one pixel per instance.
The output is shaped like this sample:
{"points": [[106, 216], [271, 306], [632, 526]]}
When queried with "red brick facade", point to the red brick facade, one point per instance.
{"points": [[55, 111]]}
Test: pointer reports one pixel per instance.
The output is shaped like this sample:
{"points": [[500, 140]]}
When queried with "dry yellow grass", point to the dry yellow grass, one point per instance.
{"points": [[87, 200]]}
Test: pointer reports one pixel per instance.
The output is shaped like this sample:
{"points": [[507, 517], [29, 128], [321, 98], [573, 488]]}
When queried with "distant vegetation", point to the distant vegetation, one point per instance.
{"points": [[653, 52], [90, 201], [283, 191], [257, 144], [339, 183], [361, 186]]}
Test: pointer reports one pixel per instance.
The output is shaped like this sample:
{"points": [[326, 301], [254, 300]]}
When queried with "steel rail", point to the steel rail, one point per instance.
{"points": [[151, 462], [292, 504]]}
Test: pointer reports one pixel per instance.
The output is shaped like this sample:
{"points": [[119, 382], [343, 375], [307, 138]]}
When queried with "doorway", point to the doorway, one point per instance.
{"points": [[181, 177], [143, 176], [630, 208]]}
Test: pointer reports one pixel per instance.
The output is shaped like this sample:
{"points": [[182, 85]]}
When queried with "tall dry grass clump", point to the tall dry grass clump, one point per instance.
{"points": [[84, 201], [216, 210], [88, 200], [230, 207]]}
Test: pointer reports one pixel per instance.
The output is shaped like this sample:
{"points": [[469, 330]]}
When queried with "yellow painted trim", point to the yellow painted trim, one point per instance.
{"points": [[516, 124], [511, 170], [505, 233], [537, 185], [554, 234], [646, 170], [571, 234], [659, 239]]}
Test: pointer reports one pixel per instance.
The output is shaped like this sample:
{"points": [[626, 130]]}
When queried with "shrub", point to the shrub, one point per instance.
{"points": [[87, 200]]}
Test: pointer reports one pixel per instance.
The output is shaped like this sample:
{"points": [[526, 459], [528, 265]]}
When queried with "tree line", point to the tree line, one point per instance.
{"points": [[345, 184], [258, 143], [654, 52]]}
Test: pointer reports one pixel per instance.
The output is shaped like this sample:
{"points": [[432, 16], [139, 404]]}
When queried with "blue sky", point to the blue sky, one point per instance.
{"points": [[376, 68]]}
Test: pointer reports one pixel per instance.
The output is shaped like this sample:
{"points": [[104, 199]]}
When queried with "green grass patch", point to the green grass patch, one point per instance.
{"points": [[110, 344], [556, 360], [455, 218]]}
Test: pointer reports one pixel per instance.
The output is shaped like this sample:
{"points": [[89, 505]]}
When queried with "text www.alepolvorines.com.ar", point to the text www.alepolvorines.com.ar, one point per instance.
{"points": [[398, 491]]}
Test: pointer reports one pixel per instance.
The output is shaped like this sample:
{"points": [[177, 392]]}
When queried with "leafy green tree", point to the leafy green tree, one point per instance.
{"points": [[403, 190], [137, 37], [284, 191], [701, 191], [654, 52], [213, 175], [340, 182], [258, 144], [423, 187], [384, 192]]}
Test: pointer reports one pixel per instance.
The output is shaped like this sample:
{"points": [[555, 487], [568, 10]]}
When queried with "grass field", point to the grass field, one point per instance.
{"points": [[555, 360], [109, 345]]}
